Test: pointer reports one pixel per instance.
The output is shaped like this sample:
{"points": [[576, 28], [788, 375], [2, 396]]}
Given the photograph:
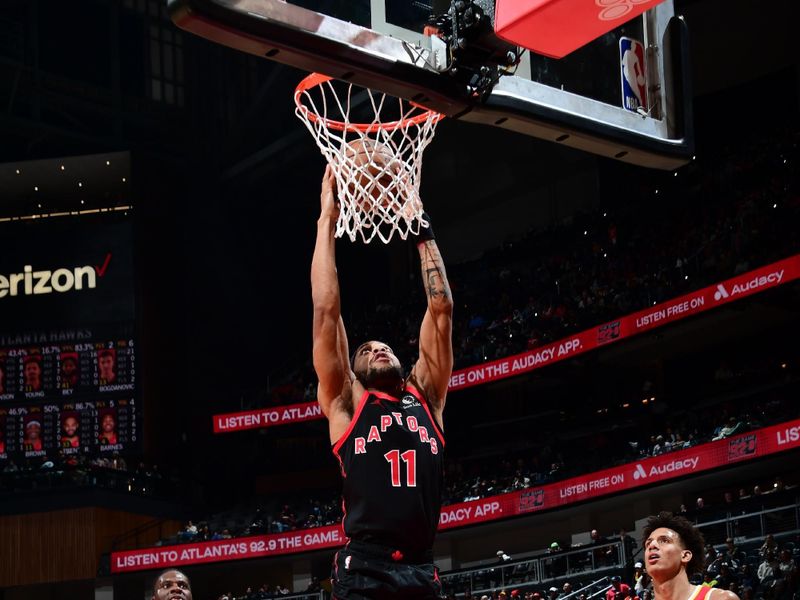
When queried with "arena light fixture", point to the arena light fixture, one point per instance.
{"points": [[72, 213]]}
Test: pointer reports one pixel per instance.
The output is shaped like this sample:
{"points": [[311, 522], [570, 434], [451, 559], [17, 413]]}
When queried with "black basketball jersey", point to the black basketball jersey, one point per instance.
{"points": [[391, 461]]}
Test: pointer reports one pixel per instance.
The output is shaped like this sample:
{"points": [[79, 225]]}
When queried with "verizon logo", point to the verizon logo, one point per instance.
{"points": [[754, 284], [36, 283], [674, 466]]}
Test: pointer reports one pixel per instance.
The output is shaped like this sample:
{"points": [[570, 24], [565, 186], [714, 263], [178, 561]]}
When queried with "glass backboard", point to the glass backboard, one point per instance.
{"points": [[589, 99]]}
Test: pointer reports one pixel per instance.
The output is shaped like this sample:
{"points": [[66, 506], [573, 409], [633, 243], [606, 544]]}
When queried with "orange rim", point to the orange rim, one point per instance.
{"points": [[316, 79]]}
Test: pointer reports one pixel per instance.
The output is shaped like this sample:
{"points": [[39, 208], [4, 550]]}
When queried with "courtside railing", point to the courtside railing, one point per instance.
{"points": [[550, 566]]}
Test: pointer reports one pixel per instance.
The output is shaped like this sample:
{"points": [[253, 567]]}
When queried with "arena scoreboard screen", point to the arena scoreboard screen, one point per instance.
{"points": [[68, 352]]}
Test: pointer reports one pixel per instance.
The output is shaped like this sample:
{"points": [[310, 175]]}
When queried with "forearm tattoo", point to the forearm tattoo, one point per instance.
{"points": [[433, 273]]}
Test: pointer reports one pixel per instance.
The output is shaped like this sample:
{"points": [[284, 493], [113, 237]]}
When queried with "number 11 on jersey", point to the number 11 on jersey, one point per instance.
{"points": [[410, 458]]}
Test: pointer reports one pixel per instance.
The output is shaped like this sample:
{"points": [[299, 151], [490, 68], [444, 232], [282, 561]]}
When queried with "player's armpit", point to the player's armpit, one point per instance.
{"points": [[339, 412]]}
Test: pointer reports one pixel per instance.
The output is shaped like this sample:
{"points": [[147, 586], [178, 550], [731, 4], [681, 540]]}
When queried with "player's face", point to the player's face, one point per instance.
{"points": [[106, 364], [664, 554], [32, 373], [69, 367], [70, 426], [172, 585], [32, 432], [108, 424], [375, 365]]}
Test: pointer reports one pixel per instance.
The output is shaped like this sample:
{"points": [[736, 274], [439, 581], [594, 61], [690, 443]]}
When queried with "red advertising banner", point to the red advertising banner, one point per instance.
{"points": [[266, 417], [741, 286], [221, 550], [697, 459]]}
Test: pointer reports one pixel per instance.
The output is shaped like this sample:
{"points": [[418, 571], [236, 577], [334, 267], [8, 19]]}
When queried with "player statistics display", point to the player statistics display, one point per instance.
{"points": [[69, 428], [68, 352], [59, 371]]}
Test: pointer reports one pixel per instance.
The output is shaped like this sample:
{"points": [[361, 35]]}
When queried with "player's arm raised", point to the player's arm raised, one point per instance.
{"points": [[435, 365], [330, 351]]}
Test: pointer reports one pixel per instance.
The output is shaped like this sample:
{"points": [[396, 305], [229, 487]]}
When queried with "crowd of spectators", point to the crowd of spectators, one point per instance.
{"points": [[299, 514], [544, 458], [548, 458], [263, 592], [749, 564], [81, 471], [765, 569], [723, 215], [267, 591], [477, 479]]}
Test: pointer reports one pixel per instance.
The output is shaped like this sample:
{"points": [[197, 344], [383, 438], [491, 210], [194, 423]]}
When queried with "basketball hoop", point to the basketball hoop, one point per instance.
{"points": [[374, 147]]}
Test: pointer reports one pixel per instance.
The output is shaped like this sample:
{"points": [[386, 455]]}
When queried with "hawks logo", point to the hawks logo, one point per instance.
{"points": [[408, 401]]}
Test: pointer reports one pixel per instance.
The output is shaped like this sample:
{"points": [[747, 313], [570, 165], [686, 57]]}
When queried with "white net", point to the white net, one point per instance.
{"points": [[374, 144]]}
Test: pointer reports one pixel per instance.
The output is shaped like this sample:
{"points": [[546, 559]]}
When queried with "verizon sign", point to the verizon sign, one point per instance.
{"points": [[79, 274], [35, 283]]}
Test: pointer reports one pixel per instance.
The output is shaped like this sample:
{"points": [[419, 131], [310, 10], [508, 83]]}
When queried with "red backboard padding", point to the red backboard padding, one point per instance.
{"points": [[557, 27]]}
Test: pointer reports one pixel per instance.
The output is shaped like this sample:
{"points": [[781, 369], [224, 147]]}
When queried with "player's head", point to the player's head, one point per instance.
{"points": [[69, 365], [376, 366], [172, 584], [671, 545], [70, 426], [105, 361], [33, 430], [108, 423], [371, 167], [33, 372]]}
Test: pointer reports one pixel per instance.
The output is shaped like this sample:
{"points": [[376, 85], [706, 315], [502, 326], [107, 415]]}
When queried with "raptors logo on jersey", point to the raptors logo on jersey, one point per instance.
{"points": [[391, 461]]}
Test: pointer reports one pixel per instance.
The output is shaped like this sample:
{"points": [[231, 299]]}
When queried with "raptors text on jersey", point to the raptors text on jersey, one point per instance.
{"points": [[391, 462]]}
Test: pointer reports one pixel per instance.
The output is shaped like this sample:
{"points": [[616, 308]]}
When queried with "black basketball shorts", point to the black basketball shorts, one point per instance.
{"points": [[365, 571]]}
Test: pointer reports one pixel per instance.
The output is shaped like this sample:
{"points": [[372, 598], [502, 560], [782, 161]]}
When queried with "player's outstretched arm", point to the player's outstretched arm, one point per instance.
{"points": [[330, 351], [435, 365]]}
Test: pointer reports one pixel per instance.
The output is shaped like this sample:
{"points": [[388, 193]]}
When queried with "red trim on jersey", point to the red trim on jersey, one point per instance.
{"points": [[416, 393], [349, 430], [704, 591], [384, 396]]}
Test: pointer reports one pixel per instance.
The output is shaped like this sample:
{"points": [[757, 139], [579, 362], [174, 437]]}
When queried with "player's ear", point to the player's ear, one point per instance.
{"points": [[686, 556]]}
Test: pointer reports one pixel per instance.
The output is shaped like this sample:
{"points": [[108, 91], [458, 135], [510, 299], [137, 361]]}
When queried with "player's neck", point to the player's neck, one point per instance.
{"points": [[395, 389], [675, 588]]}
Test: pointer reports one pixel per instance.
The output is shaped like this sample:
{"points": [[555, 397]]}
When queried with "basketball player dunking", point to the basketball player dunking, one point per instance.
{"points": [[673, 550], [386, 429]]}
